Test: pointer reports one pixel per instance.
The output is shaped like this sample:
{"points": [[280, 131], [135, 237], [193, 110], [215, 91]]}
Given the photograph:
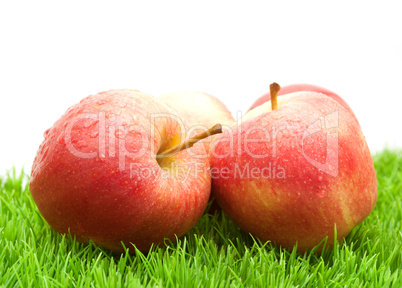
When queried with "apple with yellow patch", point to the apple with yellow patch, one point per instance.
{"points": [[199, 110], [296, 167], [112, 170]]}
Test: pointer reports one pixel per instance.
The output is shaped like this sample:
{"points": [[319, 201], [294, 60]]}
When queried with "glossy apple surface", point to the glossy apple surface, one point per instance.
{"points": [[198, 108], [200, 111], [97, 176], [304, 87], [292, 174]]}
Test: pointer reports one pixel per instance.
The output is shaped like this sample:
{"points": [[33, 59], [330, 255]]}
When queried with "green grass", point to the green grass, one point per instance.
{"points": [[215, 253]]}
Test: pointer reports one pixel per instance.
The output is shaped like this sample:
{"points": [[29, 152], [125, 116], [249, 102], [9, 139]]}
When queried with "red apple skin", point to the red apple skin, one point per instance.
{"points": [[201, 110], [97, 197], [303, 204], [304, 87]]}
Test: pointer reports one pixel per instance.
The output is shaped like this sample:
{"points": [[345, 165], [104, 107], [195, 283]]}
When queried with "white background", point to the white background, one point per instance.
{"points": [[54, 53]]}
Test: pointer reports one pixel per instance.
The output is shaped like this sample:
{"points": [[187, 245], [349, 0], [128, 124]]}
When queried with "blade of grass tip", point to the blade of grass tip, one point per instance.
{"points": [[260, 245], [167, 274], [27, 221], [173, 246], [16, 268], [9, 207], [324, 249], [92, 265], [224, 238], [123, 259], [292, 258], [335, 248], [210, 249], [235, 276], [254, 246], [144, 260], [392, 256], [231, 244]]}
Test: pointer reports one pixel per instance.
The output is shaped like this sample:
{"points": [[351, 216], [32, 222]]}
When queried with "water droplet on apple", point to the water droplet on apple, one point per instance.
{"points": [[297, 120], [70, 110], [319, 178], [101, 101], [119, 134], [122, 105], [60, 139], [276, 116], [44, 153], [94, 134], [111, 117], [90, 122], [46, 133], [124, 123], [322, 193]]}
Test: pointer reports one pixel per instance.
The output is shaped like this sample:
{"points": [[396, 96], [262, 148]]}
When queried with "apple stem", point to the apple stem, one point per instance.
{"points": [[216, 129], [274, 89]]}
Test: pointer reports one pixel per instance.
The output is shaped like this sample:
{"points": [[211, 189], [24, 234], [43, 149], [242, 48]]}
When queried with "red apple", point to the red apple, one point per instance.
{"points": [[291, 175], [201, 111], [98, 173], [304, 87]]}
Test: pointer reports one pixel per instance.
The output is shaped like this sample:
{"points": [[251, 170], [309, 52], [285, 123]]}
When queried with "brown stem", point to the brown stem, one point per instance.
{"points": [[274, 89], [217, 128]]}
